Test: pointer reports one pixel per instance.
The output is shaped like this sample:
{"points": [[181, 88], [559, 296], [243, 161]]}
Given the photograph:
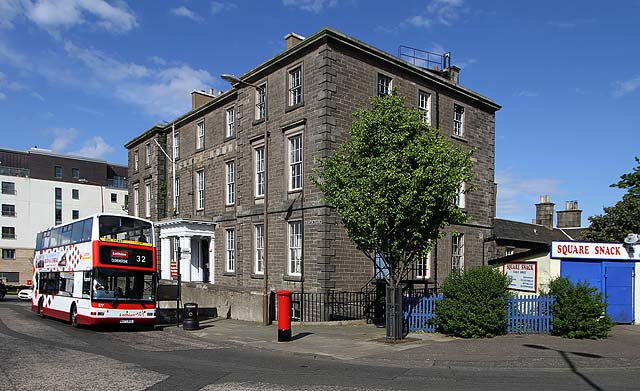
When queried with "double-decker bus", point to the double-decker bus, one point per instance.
{"points": [[98, 270]]}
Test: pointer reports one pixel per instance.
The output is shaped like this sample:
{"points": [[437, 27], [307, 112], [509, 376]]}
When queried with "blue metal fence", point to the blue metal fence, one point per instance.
{"points": [[525, 314]]}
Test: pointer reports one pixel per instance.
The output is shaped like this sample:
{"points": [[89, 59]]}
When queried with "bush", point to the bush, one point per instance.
{"points": [[474, 303], [579, 310]]}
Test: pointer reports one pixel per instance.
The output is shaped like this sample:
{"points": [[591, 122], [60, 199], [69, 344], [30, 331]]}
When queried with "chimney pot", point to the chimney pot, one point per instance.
{"points": [[212, 91], [292, 39]]}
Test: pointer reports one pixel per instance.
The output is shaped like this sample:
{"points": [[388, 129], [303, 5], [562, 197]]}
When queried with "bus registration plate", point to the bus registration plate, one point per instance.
{"points": [[126, 320]]}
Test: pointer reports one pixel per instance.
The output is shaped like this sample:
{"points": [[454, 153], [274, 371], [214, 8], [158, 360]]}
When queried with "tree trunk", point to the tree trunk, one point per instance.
{"points": [[394, 319]]}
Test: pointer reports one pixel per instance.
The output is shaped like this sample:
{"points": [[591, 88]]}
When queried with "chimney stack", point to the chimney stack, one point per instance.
{"points": [[453, 74], [292, 39], [571, 217], [544, 212]]}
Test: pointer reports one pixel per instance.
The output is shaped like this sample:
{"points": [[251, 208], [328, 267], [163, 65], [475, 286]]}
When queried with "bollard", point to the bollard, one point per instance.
{"points": [[190, 321], [284, 315]]}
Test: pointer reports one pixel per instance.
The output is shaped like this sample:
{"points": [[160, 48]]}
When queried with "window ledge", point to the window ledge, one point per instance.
{"points": [[293, 107], [229, 138], [294, 191], [257, 276], [292, 278], [460, 138], [229, 274], [257, 121]]}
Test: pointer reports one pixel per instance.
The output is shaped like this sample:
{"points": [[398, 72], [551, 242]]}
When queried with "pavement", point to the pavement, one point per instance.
{"points": [[361, 343]]}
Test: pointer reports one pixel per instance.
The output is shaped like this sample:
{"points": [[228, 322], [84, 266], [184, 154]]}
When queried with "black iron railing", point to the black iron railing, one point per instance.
{"points": [[329, 306], [424, 59]]}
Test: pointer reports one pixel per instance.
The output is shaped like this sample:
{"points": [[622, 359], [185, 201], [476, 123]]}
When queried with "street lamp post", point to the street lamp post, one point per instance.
{"points": [[265, 299]]}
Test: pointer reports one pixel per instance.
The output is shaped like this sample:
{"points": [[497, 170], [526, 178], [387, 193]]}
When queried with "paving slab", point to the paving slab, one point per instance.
{"points": [[364, 343]]}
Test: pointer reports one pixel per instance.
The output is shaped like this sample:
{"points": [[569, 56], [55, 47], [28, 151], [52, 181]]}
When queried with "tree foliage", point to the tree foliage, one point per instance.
{"points": [[393, 183], [621, 219], [474, 304], [579, 310]]}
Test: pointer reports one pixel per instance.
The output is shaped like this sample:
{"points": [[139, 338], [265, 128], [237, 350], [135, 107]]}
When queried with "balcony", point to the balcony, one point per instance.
{"points": [[424, 59], [118, 183], [13, 171]]}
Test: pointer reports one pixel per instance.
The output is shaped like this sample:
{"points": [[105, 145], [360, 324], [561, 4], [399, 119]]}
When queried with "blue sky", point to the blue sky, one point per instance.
{"points": [[86, 76]]}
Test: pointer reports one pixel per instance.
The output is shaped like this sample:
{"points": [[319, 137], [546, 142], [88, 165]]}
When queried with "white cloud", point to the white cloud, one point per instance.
{"points": [[445, 12], [218, 7], [64, 139], [186, 13], [52, 15], [525, 94], [626, 86], [517, 195], [9, 10], [168, 93], [95, 148], [106, 66], [310, 5], [2, 96], [466, 63]]}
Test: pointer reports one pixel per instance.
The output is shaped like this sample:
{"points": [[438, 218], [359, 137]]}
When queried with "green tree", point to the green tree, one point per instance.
{"points": [[621, 219], [393, 184]]}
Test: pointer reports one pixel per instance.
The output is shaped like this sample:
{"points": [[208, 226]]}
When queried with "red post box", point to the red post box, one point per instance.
{"points": [[284, 315]]}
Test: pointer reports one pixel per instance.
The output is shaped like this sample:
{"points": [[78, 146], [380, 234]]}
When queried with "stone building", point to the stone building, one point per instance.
{"points": [[206, 186], [41, 189]]}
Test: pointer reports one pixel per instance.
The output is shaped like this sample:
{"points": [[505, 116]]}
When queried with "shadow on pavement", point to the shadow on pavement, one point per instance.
{"points": [[567, 359], [300, 336]]}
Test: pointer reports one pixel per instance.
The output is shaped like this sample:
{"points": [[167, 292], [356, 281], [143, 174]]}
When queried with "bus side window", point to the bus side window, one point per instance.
{"points": [[46, 239], [76, 236], [55, 237], [86, 230], [86, 284]]}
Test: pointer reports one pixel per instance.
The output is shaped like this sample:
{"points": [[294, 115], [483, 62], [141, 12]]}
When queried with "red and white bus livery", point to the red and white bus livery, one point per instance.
{"points": [[98, 270]]}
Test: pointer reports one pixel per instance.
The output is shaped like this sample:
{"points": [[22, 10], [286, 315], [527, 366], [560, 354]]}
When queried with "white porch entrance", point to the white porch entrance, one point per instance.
{"points": [[191, 244]]}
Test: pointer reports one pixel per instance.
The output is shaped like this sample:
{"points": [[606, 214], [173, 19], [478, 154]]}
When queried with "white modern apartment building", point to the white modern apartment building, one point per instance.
{"points": [[41, 189]]}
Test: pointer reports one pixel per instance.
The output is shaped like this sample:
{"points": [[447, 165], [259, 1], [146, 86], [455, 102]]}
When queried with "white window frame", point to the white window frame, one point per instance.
{"points": [[461, 197], [136, 160], [509, 251], [176, 145], [294, 248], [259, 171], [424, 106], [176, 196], [230, 171], [200, 190], [258, 245], [458, 120], [147, 199], [295, 161], [384, 85], [147, 159], [231, 122], [9, 188], [230, 250], [200, 132], [136, 201], [261, 101], [423, 265], [295, 85], [457, 251]]}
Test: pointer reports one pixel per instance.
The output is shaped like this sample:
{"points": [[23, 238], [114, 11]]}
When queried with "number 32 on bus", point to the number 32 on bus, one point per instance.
{"points": [[98, 270]]}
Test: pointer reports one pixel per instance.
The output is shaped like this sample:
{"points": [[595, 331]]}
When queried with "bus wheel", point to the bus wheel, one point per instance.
{"points": [[74, 316], [40, 305]]}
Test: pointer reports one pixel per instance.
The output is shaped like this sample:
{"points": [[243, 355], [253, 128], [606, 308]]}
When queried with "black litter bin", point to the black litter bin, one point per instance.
{"points": [[190, 321]]}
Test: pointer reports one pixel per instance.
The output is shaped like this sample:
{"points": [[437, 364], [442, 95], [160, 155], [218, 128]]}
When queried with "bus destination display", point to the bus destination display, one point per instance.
{"points": [[126, 256]]}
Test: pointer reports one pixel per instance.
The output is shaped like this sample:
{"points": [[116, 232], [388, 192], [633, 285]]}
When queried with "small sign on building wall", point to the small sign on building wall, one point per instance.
{"points": [[523, 275]]}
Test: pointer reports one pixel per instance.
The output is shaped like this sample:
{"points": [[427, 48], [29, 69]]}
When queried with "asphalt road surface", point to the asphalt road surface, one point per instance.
{"points": [[47, 354]]}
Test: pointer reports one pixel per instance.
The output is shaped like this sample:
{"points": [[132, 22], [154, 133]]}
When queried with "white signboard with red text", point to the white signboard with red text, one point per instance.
{"points": [[586, 250], [523, 275]]}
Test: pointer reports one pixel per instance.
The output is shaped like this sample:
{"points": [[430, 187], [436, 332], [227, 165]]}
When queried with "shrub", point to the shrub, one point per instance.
{"points": [[579, 310], [474, 303]]}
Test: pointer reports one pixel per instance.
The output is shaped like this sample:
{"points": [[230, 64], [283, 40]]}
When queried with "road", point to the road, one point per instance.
{"points": [[49, 354]]}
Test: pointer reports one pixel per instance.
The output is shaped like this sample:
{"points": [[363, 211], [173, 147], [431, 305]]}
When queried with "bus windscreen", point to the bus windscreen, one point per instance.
{"points": [[122, 228]]}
